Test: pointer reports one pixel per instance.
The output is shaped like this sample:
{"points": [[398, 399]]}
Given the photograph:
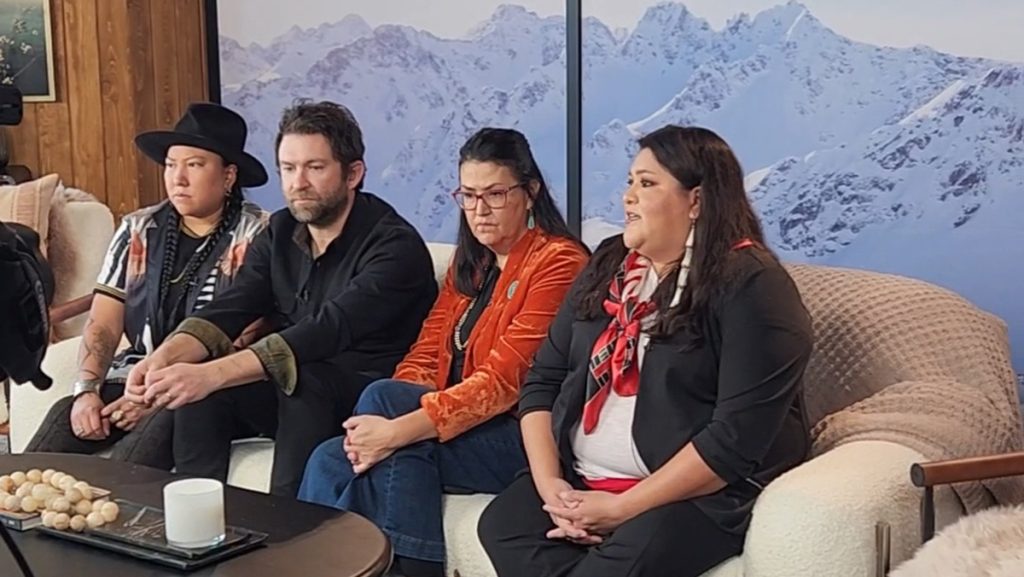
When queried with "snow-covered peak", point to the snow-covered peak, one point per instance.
{"points": [[598, 40], [350, 27], [782, 18], [667, 32], [509, 21], [787, 23], [1000, 87], [295, 51], [665, 16], [942, 167]]}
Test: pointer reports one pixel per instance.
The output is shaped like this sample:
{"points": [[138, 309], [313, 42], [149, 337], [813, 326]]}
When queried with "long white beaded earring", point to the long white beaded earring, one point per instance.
{"points": [[684, 267]]}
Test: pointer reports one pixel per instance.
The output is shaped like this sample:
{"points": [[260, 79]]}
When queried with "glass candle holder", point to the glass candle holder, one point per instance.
{"points": [[194, 513]]}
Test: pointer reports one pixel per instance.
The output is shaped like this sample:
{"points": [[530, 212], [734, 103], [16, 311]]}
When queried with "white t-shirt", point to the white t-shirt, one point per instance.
{"points": [[609, 452]]}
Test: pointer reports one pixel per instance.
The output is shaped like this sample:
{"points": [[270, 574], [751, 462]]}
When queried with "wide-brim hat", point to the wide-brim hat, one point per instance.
{"points": [[211, 127]]}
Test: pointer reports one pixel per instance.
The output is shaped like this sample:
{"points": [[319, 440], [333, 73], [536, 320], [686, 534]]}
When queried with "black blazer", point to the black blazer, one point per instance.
{"points": [[736, 396]]}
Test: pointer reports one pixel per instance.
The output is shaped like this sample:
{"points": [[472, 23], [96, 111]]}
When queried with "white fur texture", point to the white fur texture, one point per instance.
{"points": [[986, 544]]}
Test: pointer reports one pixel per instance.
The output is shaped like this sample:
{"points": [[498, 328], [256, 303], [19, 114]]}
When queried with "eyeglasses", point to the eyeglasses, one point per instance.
{"points": [[493, 198]]}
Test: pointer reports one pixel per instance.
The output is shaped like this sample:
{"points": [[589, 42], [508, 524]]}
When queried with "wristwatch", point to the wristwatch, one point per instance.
{"points": [[85, 386]]}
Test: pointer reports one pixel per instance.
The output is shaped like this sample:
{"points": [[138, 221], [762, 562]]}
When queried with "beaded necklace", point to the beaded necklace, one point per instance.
{"points": [[460, 345]]}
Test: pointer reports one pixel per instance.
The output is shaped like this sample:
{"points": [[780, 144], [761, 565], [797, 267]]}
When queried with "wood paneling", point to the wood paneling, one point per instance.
{"points": [[52, 121], [191, 76], [84, 98], [150, 188], [120, 67]]}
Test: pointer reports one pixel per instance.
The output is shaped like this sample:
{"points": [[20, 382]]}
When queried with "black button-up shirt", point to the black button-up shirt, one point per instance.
{"points": [[359, 305]]}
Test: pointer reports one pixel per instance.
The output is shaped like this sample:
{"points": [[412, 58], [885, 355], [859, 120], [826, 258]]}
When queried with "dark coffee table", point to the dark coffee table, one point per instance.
{"points": [[305, 539]]}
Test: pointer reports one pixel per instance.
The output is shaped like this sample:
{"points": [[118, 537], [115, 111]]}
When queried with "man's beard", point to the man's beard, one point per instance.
{"points": [[322, 213]]}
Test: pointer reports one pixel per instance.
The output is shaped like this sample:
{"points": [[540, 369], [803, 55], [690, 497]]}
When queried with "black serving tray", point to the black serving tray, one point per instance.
{"points": [[139, 532]]}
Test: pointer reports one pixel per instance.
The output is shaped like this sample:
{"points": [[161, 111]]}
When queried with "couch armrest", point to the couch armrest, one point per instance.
{"points": [[73, 308], [961, 470], [29, 405], [820, 518], [939, 473]]}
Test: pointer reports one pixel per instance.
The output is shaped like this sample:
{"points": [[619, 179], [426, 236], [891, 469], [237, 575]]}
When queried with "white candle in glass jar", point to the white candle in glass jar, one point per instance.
{"points": [[194, 513]]}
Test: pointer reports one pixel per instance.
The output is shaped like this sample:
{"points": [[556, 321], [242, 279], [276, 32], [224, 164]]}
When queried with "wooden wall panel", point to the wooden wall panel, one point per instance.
{"points": [[23, 139], [139, 14], [54, 120], [84, 97], [118, 107], [120, 67], [191, 76], [165, 58]]}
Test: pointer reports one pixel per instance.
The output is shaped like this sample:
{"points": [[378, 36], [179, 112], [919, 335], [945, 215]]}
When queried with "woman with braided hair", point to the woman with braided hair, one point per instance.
{"points": [[164, 262]]}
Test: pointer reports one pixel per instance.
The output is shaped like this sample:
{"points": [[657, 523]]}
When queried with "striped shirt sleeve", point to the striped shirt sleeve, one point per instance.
{"points": [[113, 274]]}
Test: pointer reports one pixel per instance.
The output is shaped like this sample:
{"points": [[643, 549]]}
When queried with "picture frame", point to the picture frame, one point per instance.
{"points": [[26, 49]]}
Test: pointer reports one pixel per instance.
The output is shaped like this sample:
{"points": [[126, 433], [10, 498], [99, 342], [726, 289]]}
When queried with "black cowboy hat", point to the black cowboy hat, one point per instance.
{"points": [[210, 127]]}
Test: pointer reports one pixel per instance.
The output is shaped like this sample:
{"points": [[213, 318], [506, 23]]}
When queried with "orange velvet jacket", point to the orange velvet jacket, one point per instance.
{"points": [[537, 276]]}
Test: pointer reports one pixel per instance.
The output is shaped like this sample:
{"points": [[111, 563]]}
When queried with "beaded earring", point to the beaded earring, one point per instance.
{"points": [[684, 267]]}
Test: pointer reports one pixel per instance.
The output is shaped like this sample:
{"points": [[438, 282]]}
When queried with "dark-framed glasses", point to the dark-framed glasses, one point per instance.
{"points": [[496, 197]]}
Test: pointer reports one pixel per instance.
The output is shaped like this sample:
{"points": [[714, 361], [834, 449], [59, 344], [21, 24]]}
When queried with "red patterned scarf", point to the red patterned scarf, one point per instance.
{"points": [[614, 357]]}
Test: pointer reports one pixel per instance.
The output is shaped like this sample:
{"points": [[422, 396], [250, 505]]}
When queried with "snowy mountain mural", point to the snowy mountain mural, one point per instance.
{"points": [[907, 160], [417, 98]]}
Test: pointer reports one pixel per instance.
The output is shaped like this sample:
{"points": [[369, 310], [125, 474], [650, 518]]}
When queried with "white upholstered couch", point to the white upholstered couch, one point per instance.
{"points": [[818, 520]]}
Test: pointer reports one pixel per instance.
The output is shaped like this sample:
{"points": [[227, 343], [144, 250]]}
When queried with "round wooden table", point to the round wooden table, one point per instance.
{"points": [[304, 539]]}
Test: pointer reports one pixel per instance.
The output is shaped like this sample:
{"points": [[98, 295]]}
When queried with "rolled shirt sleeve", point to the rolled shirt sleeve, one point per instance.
{"points": [[112, 279], [766, 345]]}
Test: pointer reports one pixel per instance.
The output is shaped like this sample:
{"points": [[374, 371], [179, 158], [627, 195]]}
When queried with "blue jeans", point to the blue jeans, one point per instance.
{"points": [[402, 494]]}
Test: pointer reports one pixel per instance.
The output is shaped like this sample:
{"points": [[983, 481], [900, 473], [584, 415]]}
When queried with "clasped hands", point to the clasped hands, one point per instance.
{"points": [[583, 517], [369, 439], [152, 383], [91, 419]]}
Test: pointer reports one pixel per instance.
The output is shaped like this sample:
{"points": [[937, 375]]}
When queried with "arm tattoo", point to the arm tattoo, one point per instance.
{"points": [[97, 350]]}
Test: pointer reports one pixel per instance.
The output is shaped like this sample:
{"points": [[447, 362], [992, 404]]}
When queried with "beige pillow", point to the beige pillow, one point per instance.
{"points": [[28, 203]]}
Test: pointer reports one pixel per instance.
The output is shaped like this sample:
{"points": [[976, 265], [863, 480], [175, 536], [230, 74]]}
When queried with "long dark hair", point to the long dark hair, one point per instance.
{"points": [[509, 148], [695, 157], [228, 219]]}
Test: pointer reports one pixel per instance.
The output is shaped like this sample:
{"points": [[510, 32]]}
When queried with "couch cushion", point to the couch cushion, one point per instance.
{"points": [[464, 552], [442, 254], [28, 203], [80, 231], [251, 463]]}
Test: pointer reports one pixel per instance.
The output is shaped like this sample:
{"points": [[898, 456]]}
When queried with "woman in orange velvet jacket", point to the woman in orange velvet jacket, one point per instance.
{"points": [[445, 422]]}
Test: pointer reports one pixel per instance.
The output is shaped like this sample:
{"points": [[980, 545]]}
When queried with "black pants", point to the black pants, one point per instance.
{"points": [[148, 444], [675, 540], [323, 398]]}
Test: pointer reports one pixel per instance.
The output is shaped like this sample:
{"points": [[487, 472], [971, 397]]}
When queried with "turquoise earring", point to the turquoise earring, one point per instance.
{"points": [[531, 223]]}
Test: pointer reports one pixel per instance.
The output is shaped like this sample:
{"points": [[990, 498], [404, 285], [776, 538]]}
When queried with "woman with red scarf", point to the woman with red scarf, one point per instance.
{"points": [[668, 392]]}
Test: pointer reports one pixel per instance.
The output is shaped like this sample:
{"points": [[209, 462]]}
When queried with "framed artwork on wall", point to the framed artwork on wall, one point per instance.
{"points": [[26, 48]]}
